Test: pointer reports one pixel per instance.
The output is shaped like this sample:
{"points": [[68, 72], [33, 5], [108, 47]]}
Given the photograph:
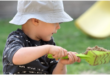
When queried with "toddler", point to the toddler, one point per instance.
{"points": [[27, 48]]}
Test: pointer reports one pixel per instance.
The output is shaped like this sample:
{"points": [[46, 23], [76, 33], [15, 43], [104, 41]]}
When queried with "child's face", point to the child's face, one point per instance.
{"points": [[46, 30]]}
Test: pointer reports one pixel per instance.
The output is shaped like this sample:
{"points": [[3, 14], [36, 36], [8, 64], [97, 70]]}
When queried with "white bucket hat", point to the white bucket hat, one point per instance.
{"points": [[47, 11]]}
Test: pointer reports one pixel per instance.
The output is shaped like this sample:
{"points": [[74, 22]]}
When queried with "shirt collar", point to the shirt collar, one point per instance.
{"points": [[34, 41], [31, 40]]}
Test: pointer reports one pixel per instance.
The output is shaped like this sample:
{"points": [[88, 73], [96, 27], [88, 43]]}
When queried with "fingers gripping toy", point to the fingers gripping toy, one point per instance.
{"points": [[94, 56]]}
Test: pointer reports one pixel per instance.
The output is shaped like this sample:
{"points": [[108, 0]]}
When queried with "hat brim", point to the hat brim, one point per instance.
{"points": [[50, 17]]}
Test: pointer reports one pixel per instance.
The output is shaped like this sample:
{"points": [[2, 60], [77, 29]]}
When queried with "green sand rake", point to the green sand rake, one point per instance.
{"points": [[93, 57]]}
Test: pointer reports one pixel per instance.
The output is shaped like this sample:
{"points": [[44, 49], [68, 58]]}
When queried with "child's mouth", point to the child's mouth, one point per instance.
{"points": [[52, 33]]}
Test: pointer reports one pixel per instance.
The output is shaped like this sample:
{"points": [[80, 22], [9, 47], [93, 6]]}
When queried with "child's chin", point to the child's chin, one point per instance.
{"points": [[48, 39]]}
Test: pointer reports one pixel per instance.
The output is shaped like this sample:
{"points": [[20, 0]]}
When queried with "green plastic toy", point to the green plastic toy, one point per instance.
{"points": [[93, 57]]}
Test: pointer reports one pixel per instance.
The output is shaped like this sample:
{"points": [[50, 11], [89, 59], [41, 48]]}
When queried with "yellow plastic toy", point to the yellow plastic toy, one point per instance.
{"points": [[96, 20]]}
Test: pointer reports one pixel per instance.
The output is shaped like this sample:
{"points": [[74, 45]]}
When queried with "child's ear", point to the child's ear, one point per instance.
{"points": [[35, 21]]}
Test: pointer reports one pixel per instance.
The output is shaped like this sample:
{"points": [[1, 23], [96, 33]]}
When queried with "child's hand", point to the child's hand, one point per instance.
{"points": [[57, 52], [72, 58]]}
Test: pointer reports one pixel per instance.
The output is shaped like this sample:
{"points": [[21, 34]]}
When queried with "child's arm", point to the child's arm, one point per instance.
{"points": [[60, 69], [27, 54]]}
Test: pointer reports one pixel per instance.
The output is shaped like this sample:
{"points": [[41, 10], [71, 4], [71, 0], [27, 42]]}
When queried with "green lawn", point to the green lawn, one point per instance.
{"points": [[70, 38]]}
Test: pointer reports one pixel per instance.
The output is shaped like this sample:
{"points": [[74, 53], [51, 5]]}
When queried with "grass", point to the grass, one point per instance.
{"points": [[70, 38]]}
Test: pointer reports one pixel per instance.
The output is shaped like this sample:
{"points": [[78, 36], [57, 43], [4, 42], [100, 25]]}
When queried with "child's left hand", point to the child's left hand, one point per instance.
{"points": [[72, 58]]}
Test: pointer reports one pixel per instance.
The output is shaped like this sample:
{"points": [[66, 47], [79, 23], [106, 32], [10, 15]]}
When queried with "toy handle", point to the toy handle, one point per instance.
{"points": [[82, 56]]}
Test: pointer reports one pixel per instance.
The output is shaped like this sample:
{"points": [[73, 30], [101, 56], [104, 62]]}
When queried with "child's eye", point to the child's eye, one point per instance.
{"points": [[60, 22], [57, 23]]}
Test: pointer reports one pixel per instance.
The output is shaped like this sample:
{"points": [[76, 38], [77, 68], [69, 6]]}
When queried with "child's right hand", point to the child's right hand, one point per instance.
{"points": [[57, 52]]}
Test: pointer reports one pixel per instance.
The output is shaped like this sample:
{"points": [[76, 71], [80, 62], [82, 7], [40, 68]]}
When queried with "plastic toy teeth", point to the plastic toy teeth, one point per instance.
{"points": [[102, 56], [94, 56], [97, 57]]}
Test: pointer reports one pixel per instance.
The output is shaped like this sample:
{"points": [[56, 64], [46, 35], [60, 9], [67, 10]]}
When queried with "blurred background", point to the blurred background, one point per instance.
{"points": [[73, 8], [70, 36]]}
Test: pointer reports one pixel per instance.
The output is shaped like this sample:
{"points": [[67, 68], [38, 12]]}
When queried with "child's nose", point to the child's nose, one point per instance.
{"points": [[58, 26]]}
